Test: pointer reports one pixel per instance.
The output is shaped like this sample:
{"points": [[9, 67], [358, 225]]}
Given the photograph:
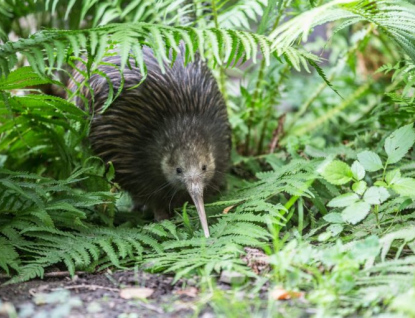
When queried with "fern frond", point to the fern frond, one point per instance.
{"points": [[131, 36], [9, 258], [406, 235], [395, 18], [240, 13]]}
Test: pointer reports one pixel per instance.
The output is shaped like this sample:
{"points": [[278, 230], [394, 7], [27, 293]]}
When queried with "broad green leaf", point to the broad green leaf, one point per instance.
{"points": [[381, 184], [393, 176], [370, 161], [376, 195], [333, 217], [359, 187], [358, 170], [356, 212], [324, 236], [343, 200], [404, 186], [335, 229], [337, 172], [399, 142]]}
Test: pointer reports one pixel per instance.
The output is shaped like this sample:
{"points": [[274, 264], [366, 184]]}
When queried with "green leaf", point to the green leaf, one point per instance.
{"points": [[404, 186], [370, 161], [337, 172], [320, 72], [376, 195], [335, 229], [324, 236], [399, 142], [359, 187], [333, 217], [358, 170], [343, 200], [393, 176], [267, 16], [367, 248], [356, 212], [381, 184]]}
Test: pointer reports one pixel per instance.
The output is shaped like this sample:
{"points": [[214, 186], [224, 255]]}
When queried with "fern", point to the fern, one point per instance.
{"points": [[38, 124], [395, 18], [237, 15], [406, 234], [83, 249], [246, 226], [10, 258], [61, 214], [128, 37], [29, 201]]}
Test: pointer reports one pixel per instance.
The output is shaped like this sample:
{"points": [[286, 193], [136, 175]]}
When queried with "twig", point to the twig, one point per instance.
{"points": [[278, 132], [49, 275], [91, 287], [62, 274], [151, 307]]}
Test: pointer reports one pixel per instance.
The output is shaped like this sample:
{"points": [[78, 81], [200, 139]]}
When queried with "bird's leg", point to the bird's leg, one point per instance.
{"points": [[145, 211], [161, 214]]}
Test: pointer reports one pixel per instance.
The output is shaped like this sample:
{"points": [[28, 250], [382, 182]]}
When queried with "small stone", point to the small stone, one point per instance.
{"points": [[233, 278]]}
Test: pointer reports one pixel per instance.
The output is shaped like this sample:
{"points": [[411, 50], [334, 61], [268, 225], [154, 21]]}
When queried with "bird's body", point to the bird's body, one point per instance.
{"points": [[169, 138]]}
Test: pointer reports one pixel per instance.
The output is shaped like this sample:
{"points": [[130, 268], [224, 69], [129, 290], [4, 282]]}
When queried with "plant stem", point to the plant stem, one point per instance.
{"points": [[269, 111], [294, 199], [332, 112], [300, 208], [281, 7], [252, 105], [342, 62], [376, 211]]}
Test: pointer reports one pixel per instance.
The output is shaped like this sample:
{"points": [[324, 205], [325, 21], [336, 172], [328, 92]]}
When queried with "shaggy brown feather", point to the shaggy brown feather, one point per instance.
{"points": [[177, 120]]}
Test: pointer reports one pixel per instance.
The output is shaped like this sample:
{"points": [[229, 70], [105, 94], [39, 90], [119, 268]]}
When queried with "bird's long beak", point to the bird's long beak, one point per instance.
{"points": [[196, 192]]}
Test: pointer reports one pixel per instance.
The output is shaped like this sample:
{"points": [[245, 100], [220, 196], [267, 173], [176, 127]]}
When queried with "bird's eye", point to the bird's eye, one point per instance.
{"points": [[204, 167], [179, 170]]}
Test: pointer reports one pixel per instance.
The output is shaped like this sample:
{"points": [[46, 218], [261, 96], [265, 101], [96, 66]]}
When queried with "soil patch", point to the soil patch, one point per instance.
{"points": [[99, 295]]}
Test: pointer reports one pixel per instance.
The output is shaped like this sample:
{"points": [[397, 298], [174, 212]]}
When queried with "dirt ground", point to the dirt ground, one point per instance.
{"points": [[101, 295]]}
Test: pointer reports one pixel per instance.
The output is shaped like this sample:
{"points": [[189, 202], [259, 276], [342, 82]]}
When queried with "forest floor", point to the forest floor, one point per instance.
{"points": [[103, 295], [137, 294]]}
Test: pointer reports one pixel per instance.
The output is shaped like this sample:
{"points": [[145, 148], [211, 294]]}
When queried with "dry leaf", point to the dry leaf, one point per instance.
{"points": [[136, 292], [280, 293], [226, 210], [190, 292]]}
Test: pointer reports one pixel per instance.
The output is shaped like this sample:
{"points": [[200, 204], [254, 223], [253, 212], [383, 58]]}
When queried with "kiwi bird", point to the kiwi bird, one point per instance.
{"points": [[168, 138]]}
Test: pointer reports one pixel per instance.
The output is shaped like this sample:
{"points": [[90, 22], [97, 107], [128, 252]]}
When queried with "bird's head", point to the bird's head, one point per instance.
{"points": [[191, 167]]}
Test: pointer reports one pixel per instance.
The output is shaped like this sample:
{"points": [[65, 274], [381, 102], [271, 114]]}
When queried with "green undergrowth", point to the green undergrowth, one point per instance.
{"points": [[322, 184]]}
